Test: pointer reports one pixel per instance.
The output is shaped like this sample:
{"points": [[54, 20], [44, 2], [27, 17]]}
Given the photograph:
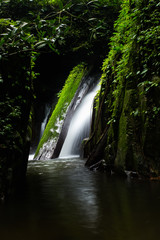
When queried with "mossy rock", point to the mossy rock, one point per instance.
{"points": [[50, 136]]}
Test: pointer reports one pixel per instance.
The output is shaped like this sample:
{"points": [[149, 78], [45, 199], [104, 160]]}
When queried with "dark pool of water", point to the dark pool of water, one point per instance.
{"points": [[63, 200]]}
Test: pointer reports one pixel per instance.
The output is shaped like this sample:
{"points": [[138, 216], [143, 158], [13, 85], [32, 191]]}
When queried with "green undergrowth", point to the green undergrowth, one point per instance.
{"points": [[65, 97], [133, 60], [128, 104]]}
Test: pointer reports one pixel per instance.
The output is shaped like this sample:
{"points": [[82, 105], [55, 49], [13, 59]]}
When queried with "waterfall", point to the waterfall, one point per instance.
{"points": [[42, 128], [79, 126], [44, 122]]}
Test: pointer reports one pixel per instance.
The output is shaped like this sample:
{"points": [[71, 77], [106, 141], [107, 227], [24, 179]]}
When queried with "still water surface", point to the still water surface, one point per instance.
{"points": [[63, 200]]}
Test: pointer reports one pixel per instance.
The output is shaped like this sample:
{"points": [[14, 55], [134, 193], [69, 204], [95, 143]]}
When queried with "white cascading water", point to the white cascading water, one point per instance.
{"points": [[44, 122], [79, 127], [43, 125]]}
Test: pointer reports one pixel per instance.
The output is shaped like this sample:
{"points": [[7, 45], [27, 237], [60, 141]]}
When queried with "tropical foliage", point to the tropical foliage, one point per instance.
{"points": [[61, 25], [128, 104]]}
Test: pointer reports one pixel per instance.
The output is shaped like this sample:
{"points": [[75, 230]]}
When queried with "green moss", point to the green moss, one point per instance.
{"points": [[126, 126], [122, 143], [65, 97]]}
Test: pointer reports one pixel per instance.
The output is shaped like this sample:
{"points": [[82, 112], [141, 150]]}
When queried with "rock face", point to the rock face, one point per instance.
{"points": [[126, 122]]}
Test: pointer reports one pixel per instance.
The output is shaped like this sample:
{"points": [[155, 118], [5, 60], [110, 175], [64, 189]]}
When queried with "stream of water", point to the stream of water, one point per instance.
{"points": [[79, 126], [63, 200]]}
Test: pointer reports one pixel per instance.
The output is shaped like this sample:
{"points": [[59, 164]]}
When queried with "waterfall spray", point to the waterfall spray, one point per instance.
{"points": [[79, 126]]}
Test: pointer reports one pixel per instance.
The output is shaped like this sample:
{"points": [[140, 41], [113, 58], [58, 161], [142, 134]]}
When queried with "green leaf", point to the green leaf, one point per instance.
{"points": [[144, 71], [60, 4], [40, 44]]}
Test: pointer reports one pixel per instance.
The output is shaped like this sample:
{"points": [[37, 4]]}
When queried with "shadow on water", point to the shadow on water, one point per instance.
{"points": [[64, 200]]}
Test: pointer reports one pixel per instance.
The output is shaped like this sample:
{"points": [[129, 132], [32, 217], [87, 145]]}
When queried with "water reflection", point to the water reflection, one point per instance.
{"points": [[64, 200]]}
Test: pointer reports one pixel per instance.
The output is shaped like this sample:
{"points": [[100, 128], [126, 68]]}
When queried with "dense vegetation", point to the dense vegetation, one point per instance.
{"points": [[127, 110], [30, 31]]}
